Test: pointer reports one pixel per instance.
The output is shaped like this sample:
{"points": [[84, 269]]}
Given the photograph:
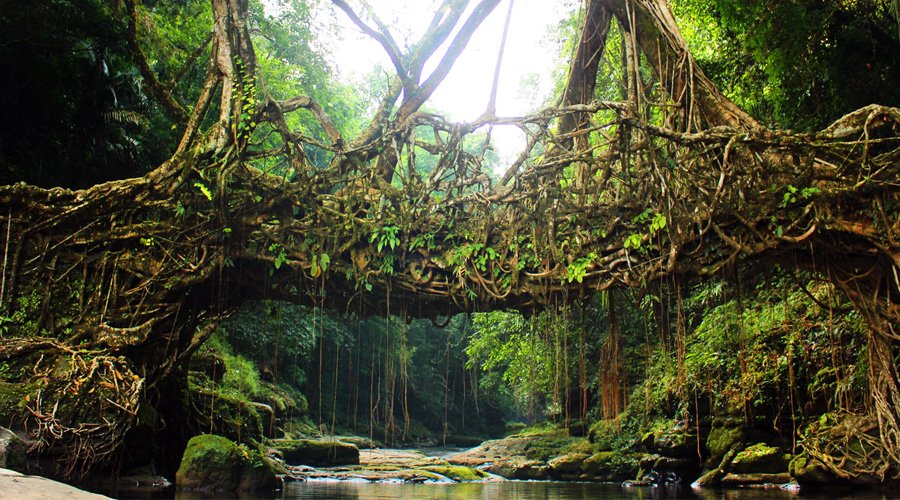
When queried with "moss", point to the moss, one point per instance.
{"points": [[759, 458], [317, 452], [457, 473], [808, 471], [215, 463], [720, 440], [569, 464], [612, 466], [546, 447], [12, 401]]}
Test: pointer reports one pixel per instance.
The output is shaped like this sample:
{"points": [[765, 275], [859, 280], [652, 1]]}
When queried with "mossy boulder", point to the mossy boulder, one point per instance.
{"points": [[808, 471], [611, 466], [720, 440], [12, 451], [676, 442], [759, 458], [546, 447], [209, 363], [568, 465], [215, 463], [605, 435], [517, 468], [317, 452], [669, 467], [458, 473]]}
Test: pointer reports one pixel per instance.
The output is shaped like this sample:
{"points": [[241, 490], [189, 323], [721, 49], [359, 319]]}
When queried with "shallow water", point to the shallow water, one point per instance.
{"points": [[534, 490]]}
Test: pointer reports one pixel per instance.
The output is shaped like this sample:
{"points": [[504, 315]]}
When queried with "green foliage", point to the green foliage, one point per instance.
{"points": [[744, 350], [796, 64], [577, 270], [277, 336], [652, 223], [385, 236]]}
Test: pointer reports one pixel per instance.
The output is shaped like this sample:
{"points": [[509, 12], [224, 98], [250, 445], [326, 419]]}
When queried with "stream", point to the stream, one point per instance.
{"points": [[528, 490], [331, 485]]}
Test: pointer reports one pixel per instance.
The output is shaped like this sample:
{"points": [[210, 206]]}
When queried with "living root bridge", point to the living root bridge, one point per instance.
{"points": [[106, 292]]}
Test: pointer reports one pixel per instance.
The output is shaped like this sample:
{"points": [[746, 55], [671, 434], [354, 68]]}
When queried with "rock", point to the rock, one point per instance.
{"points": [[139, 482], [677, 442], [744, 480], [809, 471], [12, 451], [720, 440], [214, 463], [317, 452], [360, 441], [682, 467], [611, 466], [567, 465], [713, 477], [520, 469], [209, 363], [646, 442], [457, 473], [759, 458], [16, 485]]}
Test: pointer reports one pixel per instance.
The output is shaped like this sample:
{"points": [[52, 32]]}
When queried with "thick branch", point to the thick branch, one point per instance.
{"points": [[583, 70], [151, 83], [412, 103], [384, 38], [665, 48]]}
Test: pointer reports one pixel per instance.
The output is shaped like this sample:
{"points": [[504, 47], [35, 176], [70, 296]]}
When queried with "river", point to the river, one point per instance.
{"points": [[534, 490]]}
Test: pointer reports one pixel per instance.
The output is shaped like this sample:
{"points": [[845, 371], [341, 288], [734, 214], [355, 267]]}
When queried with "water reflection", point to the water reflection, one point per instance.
{"points": [[527, 490]]}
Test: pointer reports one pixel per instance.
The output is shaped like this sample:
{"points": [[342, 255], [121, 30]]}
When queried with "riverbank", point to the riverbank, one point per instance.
{"points": [[17, 485]]}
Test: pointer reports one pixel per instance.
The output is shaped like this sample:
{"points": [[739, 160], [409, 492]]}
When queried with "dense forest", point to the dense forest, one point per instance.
{"points": [[206, 230]]}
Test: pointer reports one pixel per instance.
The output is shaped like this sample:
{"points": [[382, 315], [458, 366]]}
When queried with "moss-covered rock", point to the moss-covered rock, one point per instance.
{"points": [[720, 440], [567, 466], [611, 466], [677, 441], [546, 447], [760, 458], [808, 471], [215, 463], [606, 435], [518, 468], [209, 363], [317, 452], [12, 451], [457, 473]]}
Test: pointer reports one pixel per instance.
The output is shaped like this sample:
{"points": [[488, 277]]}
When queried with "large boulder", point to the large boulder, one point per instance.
{"points": [[12, 451], [810, 472], [720, 440], [567, 466], [760, 458], [520, 468], [215, 463], [611, 466], [678, 442], [317, 452]]}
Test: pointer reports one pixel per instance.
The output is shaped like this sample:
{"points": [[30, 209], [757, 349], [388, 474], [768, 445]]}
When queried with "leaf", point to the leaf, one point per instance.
{"points": [[205, 190]]}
